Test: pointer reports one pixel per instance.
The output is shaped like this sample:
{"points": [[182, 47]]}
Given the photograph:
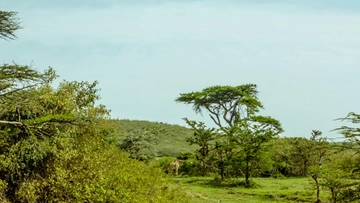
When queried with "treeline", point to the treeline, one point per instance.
{"points": [[280, 157]]}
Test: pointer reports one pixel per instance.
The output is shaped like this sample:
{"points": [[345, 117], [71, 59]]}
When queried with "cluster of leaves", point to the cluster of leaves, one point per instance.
{"points": [[9, 23]]}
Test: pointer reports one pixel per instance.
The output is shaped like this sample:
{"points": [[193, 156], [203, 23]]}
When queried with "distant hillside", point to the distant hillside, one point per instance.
{"points": [[171, 142]]}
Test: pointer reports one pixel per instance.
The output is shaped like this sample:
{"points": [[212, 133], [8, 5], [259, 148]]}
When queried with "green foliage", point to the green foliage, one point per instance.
{"points": [[53, 149], [164, 162], [107, 175], [250, 135], [224, 103], [33, 129], [244, 134], [303, 154], [281, 150], [331, 178], [90, 170], [190, 167], [9, 23], [185, 156], [336, 182], [204, 138], [350, 132], [140, 144]]}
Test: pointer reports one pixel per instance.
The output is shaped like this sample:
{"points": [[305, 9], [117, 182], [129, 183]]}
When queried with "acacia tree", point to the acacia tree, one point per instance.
{"points": [[352, 192], [225, 104], [250, 134], [320, 148], [352, 133], [233, 110], [9, 23]]}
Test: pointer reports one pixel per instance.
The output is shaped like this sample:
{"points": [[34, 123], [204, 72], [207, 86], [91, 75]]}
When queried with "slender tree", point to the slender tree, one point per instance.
{"points": [[203, 137], [250, 134]]}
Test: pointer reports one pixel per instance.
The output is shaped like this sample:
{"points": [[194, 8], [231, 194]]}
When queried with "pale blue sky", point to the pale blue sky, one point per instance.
{"points": [[304, 57]]}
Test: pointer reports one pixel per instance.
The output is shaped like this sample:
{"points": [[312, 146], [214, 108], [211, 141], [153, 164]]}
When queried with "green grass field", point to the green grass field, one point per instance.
{"points": [[203, 190]]}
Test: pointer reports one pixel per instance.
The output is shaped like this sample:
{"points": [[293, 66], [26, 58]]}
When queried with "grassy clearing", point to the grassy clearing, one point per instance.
{"points": [[204, 190]]}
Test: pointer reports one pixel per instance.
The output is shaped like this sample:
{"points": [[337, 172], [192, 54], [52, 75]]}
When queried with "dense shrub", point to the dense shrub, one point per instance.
{"points": [[185, 155], [94, 171], [164, 162]]}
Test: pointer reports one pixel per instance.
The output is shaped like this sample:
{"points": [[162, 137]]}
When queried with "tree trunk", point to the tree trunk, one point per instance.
{"points": [[333, 195], [222, 170], [305, 169], [314, 176], [247, 174], [203, 168]]}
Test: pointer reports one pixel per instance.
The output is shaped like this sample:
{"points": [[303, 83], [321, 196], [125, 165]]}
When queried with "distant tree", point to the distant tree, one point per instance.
{"points": [[334, 180], [320, 149], [281, 150], [140, 143], [204, 138], [321, 146], [9, 23], [250, 134], [352, 134], [225, 104], [303, 155], [233, 110]]}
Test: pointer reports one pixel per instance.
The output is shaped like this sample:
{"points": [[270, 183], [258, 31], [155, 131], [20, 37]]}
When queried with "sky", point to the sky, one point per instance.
{"points": [[303, 55]]}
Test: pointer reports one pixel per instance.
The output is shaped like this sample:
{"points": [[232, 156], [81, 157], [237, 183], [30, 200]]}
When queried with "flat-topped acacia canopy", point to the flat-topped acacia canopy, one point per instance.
{"points": [[224, 103]]}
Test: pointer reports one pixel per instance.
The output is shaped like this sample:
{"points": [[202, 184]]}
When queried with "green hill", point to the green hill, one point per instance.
{"points": [[171, 142]]}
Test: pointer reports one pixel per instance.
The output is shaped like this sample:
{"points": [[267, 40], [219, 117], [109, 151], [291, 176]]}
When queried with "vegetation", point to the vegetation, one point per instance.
{"points": [[140, 144], [9, 23], [242, 133]]}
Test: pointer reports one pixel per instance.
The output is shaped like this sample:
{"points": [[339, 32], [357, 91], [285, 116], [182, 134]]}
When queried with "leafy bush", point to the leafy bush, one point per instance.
{"points": [[185, 155], [140, 144], [164, 162], [94, 171]]}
